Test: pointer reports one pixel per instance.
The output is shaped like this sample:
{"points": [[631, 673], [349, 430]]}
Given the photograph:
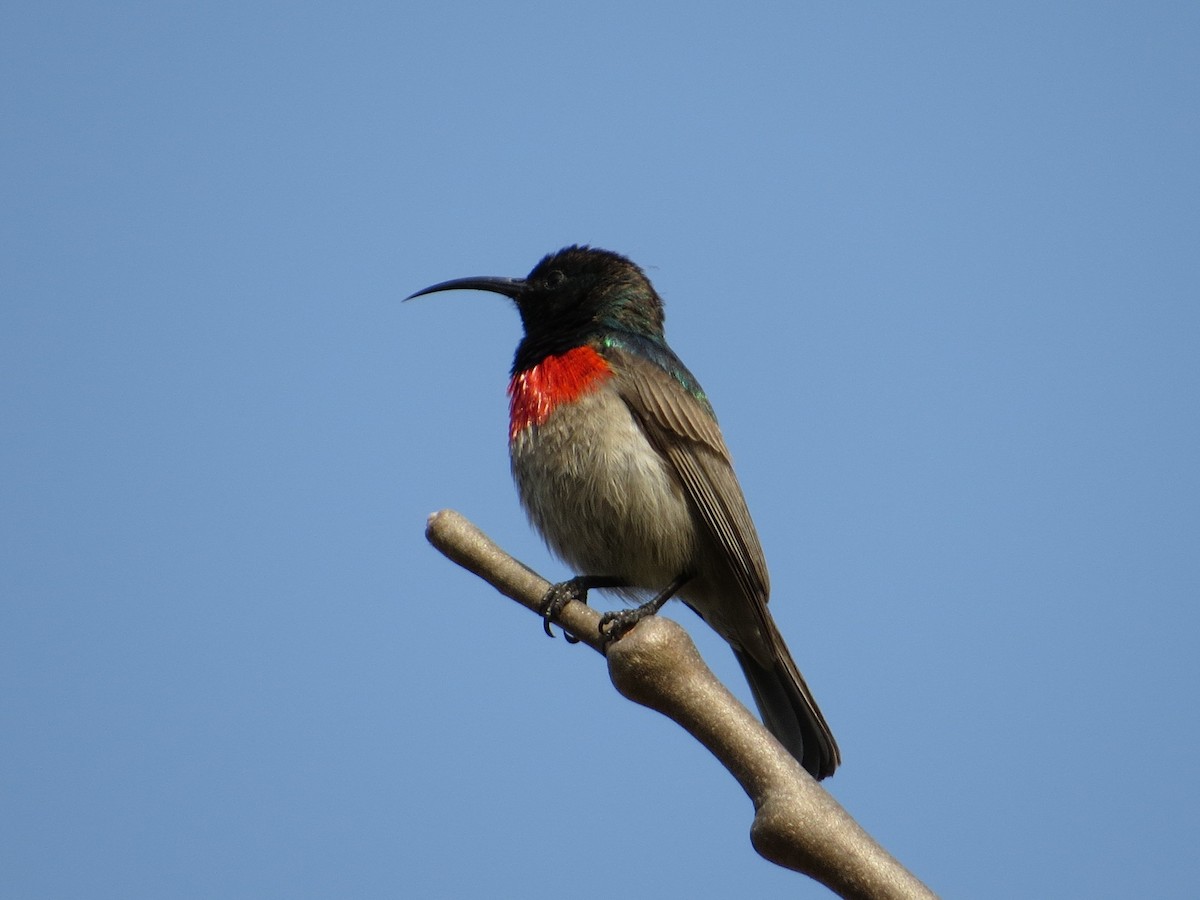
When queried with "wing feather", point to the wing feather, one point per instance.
{"points": [[685, 432], [667, 402]]}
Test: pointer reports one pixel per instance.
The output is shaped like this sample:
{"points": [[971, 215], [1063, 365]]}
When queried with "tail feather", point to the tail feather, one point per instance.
{"points": [[788, 709]]}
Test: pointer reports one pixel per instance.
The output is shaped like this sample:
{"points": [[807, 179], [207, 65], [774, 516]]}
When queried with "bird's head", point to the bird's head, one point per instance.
{"points": [[572, 296]]}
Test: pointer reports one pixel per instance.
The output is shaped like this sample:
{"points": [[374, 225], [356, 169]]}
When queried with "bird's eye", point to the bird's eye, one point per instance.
{"points": [[554, 278]]}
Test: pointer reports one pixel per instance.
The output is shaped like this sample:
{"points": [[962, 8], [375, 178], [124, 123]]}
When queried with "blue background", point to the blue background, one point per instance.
{"points": [[936, 265]]}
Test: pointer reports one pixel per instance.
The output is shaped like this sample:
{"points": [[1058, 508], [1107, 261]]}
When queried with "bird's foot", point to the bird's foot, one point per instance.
{"points": [[564, 592], [557, 598], [614, 625]]}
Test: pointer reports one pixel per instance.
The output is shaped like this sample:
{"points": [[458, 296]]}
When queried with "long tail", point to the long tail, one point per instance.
{"points": [[788, 709]]}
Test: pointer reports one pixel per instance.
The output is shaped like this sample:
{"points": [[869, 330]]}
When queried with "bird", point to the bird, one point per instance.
{"points": [[621, 467]]}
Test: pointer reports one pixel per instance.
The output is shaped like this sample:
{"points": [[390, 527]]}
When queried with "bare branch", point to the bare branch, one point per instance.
{"points": [[797, 824]]}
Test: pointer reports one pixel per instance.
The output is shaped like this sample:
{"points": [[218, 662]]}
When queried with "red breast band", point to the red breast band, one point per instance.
{"points": [[534, 393]]}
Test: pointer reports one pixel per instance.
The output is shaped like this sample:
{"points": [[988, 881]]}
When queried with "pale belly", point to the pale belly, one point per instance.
{"points": [[603, 499]]}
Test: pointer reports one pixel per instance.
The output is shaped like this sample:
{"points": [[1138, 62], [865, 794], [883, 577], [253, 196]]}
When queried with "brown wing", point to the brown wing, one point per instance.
{"points": [[685, 432]]}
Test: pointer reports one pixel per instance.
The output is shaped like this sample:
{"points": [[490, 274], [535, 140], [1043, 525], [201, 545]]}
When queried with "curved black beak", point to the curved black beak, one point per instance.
{"points": [[509, 287]]}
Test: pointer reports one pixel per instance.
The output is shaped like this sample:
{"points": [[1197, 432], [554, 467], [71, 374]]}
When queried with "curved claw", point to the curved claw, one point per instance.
{"points": [[570, 638], [556, 598]]}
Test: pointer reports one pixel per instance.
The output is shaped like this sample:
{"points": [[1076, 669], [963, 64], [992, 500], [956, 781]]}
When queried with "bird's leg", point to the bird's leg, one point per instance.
{"points": [[575, 588], [614, 624]]}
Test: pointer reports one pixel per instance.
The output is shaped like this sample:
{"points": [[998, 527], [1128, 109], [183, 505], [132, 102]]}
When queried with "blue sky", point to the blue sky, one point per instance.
{"points": [[936, 266]]}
